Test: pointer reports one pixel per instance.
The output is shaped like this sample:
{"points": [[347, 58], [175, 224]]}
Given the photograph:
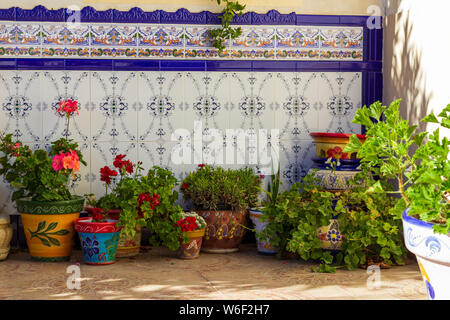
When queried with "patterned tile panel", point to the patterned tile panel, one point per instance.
{"points": [[149, 115], [177, 41]]}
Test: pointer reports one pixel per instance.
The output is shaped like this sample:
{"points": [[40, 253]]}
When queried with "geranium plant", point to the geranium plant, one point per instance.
{"points": [[37, 174], [422, 176], [191, 221], [217, 188]]}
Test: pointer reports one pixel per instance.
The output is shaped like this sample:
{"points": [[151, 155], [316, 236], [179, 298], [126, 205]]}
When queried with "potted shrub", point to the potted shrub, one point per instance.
{"points": [[222, 197], [193, 227], [264, 246], [40, 179], [423, 183], [98, 237]]}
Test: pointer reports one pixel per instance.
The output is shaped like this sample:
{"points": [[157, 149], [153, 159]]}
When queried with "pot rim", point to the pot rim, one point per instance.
{"points": [[110, 224], [415, 221], [336, 135], [32, 202]]}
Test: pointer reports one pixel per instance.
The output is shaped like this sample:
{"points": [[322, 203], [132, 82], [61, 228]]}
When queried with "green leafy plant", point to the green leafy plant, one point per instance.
{"points": [[31, 173], [217, 188], [221, 35], [422, 176], [370, 233], [39, 175]]}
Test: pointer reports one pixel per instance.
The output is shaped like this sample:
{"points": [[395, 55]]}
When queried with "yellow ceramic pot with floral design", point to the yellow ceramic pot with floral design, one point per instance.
{"points": [[49, 227], [191, 249]]}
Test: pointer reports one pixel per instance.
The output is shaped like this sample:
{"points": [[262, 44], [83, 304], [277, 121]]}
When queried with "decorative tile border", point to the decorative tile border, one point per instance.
{"points": [[177, 35], [160, 41]]}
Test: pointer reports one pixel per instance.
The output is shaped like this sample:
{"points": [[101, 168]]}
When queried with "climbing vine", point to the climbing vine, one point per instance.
{"points": [[219, 36]]}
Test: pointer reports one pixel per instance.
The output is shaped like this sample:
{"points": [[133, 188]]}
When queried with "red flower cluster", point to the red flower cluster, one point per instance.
{"points": [[68, 107], [201, 165], [97, 216], [15, 149], [106, 173], [261, 176], [146, 197], [184, 186], [120, 163], [187, 224]]}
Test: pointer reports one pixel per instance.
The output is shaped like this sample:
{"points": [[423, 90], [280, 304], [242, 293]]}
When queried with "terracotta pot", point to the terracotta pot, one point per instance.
{"points": [[224, 231], [331, 145], [98, 240], [191, 250], [5, 237], [49, 227]]}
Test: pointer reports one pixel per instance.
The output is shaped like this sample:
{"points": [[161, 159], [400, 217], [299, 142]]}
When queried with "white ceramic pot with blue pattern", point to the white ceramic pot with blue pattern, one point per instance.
{"points": [[264, 247], [433, 255]]}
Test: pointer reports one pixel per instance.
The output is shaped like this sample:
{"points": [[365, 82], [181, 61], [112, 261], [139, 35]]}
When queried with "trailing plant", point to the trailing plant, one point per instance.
{"points": [[422, 176], [221, 35], [37, 174], [217, 188]]}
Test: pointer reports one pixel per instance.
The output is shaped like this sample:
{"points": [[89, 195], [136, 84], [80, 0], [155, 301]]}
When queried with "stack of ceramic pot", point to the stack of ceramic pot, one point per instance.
{"points": [[329, 156]]}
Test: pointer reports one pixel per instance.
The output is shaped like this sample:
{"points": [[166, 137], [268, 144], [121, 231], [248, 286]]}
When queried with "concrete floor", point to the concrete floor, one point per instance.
{"points": [[159, 274]]}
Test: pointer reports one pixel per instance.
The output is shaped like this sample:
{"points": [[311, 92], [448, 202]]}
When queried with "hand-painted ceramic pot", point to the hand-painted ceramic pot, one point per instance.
{"points": [[342, 165], [331, 145], [432, 251], [49, 227], [224, 231], [5, 237], [331, 236], [334, 181], [264, 247], [98, 240], [191, 249], [129, 246]]}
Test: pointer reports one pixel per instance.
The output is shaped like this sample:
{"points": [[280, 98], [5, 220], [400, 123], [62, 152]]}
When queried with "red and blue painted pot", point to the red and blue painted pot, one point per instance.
{"points": [[98, 239]]}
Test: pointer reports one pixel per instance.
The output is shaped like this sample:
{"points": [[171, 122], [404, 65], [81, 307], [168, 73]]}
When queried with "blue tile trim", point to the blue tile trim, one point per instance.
{"points": [[372, 70], [137, 15]]}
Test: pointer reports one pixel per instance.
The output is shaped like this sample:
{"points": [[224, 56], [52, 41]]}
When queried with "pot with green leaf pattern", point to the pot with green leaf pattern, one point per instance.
{"points": [[49, 227]]}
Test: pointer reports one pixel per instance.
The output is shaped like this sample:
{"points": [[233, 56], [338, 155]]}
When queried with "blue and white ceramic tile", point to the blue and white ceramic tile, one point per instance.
{"points": [[256, 42], [341, 43], [295, 95], [114, 106], [21, 105], [60, 86], [339, 98], [127, 112], [161, 107]]}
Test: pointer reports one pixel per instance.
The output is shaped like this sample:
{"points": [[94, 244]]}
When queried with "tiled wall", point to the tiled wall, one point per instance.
{"points": [[139, 76], [156, 41], [135, 113]]}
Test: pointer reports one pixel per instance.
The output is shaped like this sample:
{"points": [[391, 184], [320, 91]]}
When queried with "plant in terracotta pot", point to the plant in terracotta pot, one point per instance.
{"points": [[222, 198], [423, 184], [124, 170], [99, 237], [40, 179], [193, 227]]}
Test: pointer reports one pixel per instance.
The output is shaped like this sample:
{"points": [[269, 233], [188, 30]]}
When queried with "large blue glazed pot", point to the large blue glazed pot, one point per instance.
{"points": [[98, 240], [433, 255]]}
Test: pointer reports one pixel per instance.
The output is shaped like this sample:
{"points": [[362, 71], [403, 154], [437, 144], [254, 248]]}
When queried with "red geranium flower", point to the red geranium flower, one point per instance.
{"points": [[336, 153], [118, 161], [262, 176], [97, 216], [68, 107], [201, 165], [187, 224], [184, 186], [106, 173]]}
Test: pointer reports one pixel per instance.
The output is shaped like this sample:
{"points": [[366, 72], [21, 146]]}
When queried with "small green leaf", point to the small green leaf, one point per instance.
{"points": [[430, 118]]}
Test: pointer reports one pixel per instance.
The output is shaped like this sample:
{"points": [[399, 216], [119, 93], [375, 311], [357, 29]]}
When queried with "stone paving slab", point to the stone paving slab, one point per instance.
{"points": [[159, 274]]}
